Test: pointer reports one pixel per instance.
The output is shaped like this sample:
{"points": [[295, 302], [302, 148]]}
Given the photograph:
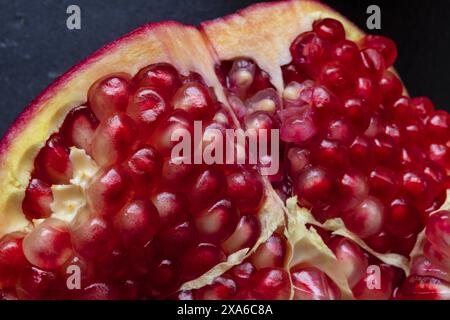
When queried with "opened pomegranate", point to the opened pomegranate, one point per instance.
{"points": [[95, 185]]}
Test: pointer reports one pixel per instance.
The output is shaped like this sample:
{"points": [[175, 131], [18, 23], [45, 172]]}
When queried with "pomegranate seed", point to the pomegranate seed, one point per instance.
{"points": [[163, 278], [48, 246], [340, 130], [161, 76], [298, 128], [147, 107], [201, 258], [438, 231], [137, 223], [368, 90], [271, 284], [144, 166], [440, 154], [177, 239], [218, 222], [12, 259], [424, 288], [356, 110], [383, 45], [314, 185], [107, 191], [241, 76], [390, 86], [207, 187], [438, 126], [385, 150], [179, 122], [402, 218], [353, 189], [109, 95], [99, 291], [246, 234], [422, 107], [329, 29], [381, 242], [118, 266], [373, 62], [36, 284], [37, 201], [404, 245], [93, 237], [291, 73], [412, 157], [414, 183], [79, 128], [298, 160], [375, 286], [143, 258], [246, 190], [423, 267], [436, 256], [308, 51], [312, 284], [361, 151], [129, 290], [260, 124], [366, 219], [195, 99], [171, 207], [384, 183], [330, 154], [375, 127], [351, 260], [271, 253], [347, 53], [336, 77], [221, 289], [53, 164], [243, 273], [113, 140]]}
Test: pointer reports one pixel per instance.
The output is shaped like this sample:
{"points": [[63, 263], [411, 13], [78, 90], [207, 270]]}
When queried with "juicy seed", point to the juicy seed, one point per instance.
{"points": [[161, 76], [366, 219], [386, 47], [246, 190], [246, 234], [329, 29], [271, 284], [37, 201], [200, 259], [271, 253], [312, 284], [195, 99]]}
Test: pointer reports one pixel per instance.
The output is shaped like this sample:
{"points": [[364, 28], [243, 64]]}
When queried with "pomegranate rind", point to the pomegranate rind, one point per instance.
{"points": [[183, 46]]}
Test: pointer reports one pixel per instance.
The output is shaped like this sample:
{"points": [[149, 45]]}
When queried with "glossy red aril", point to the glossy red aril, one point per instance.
{"points": [[163, 278], [373, 62], [243, 273], [109, 95], [308, 51], [137, 223], [367, 218], [245, 235], [353, 189], [37, 284], [245, 189], [200, 259], [177, 238], [351, 260], [424, 288], [271, 284], [384, 182], [403, 219], [438, 231], [113, 139], [161, 76], [171, 206], [49, 245], [314, 185], [329, 29], [12, 259], [422, 106], [79, 128], [207, 187], [195, 99], [145, 166], [337, 78], [312, 284], [271, 253], [438, 127], [390, 86], [221, 289], [386, 47], [37, 201], [53, 162]]}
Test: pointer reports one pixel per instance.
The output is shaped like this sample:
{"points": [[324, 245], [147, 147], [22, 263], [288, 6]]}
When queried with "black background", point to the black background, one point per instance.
{"points": [[36, 46]]}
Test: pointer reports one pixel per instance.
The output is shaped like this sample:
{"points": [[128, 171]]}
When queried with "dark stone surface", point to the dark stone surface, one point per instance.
{"points": [[36, 47]]}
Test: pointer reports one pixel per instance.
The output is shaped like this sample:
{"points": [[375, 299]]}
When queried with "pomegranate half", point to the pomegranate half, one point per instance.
{"points": [[95, 206]]}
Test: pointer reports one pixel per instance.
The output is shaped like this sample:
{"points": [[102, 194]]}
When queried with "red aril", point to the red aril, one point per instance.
{"points": [[12, 259], [271, 284], [37, 201], [161, 76], [195, 99], [244, 236], [271, 253], [383, 45], [245, 189], [329, 29], [171, 206], [199, 259], [366, 219], [312, 284]]}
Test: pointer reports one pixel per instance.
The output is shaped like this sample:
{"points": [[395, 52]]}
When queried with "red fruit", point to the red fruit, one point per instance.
{"points": [[49, 245], [37, 284], [113, 140], [340, 130], [195, 99], [437, 126], [312, 284], [53, 164], [93, 237], [246, 190], [145, 166], [12, 259], [424, 288], [79, 128], [199, 259], [438, 231], [208, 186], [422, 106], [373, 62], [402, 218], [137, 223], [107, 191], [383, 45], [337, 78], [177, 239], [384, 183], [366, 219], [271, 284], [37, 201], [314, 185], [109, 95], [329, 29], [271, 253], [174, 172], [243, 273], [163, 278], [381, 242], [390, 86], [147, 107], [171, 206], [353, 189], [244, 236], [351, 260], [347, 53], [161, 76], [221, 289], [298, 160], [308, 52], [297, 128]]}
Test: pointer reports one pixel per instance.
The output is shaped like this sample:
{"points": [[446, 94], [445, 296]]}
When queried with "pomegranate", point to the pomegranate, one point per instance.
{"points": [[111, 170]]}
